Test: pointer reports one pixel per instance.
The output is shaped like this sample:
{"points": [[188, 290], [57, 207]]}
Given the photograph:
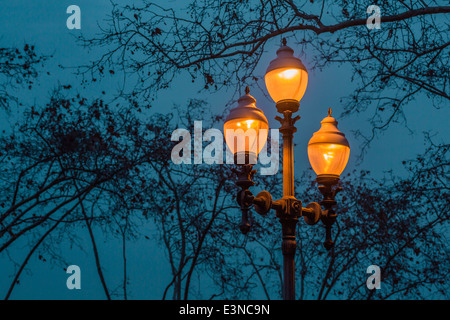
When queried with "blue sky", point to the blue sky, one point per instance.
{"points": [[43, 23]]}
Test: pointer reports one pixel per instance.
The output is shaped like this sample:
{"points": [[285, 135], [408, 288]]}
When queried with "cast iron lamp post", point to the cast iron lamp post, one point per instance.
{"points": [[328, 151]]}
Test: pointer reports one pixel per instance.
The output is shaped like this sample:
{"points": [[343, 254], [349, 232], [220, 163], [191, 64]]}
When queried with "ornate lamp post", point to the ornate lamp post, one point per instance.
{"points": [[328, 151]]}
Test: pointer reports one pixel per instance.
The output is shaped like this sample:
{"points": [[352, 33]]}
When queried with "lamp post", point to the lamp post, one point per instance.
{"points": [[328, 151]]}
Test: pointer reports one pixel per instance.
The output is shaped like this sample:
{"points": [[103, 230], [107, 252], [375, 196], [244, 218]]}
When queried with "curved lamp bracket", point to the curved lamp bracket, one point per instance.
{"points": [[263, 202]]}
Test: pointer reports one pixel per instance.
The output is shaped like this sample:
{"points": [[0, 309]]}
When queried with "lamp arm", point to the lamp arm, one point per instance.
{"points": [[287, 207]]}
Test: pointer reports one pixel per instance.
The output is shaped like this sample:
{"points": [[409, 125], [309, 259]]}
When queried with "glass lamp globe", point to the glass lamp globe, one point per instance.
{"points": [[246, 129], [286, 77], [328, 149]]}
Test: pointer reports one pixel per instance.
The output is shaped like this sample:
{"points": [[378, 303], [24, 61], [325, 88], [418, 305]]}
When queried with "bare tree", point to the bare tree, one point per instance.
{"points": [[62, 157], [396, 223], [221, 43]]}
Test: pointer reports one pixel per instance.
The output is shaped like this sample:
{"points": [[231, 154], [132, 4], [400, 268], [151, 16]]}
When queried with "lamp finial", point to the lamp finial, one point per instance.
{"points": [[247, 90], [284, 42], [329, 112]]}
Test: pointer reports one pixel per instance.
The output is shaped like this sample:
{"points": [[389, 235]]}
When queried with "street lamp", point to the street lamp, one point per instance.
{"points": [[328, 153], [286, 80]]}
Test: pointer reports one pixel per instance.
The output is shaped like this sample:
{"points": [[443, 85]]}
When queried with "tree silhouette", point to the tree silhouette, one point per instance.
{"points": [[220, 43], [115, 172], [62, 157], [18, 68]]}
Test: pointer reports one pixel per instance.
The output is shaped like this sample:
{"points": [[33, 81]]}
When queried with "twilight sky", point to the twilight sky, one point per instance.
{"points": [[43, 24]]}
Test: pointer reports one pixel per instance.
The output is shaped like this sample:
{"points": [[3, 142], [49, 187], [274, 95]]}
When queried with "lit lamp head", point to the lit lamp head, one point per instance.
{"points": [[328, 151], [286, 79], [246, 129]]}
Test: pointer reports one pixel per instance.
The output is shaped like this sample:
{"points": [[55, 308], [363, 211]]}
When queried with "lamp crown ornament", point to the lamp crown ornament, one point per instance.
{"points": [[285, 59]]}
